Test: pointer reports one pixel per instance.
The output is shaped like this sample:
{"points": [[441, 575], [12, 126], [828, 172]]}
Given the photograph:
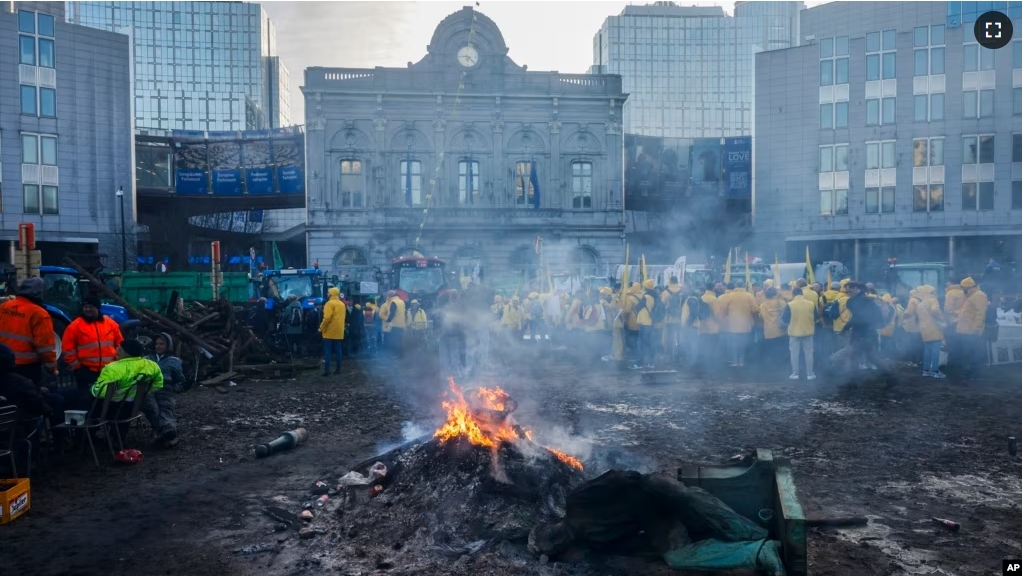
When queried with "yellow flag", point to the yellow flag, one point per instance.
{"points": [[642, 267], [809, 268], [777, 272], [624, 280], [727, 267], [827, 287], [748, 275]]}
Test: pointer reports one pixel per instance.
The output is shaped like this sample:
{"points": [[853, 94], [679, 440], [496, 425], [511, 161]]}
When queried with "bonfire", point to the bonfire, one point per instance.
{"points": [[484, 419]]}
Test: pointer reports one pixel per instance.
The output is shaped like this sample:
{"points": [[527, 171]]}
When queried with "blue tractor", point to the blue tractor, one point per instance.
{"points": [[62, 298], [309, 286]]}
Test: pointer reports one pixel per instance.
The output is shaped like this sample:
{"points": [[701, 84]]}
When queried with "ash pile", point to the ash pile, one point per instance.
{"points": [[467, 496]]}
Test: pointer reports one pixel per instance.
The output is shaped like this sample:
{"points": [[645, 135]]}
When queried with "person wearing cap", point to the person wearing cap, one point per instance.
{"points": [[90, 343], [332, 329], [27, 329], [739, 311], [394, 322], [160, 406], [969, 329], [416, 319], [673, 301], [124, 374]]}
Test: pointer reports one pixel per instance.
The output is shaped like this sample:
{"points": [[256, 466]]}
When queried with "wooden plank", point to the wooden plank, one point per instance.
{"points": [[203, 320], [219, 379]]}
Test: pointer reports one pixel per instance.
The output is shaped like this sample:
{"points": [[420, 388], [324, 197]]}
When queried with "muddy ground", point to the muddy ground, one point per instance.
{"points": [[898, 451]]}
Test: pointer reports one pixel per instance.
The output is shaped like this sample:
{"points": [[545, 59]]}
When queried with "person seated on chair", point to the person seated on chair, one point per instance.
{"points": [[129, 369], [31, 400], [160, 405]]}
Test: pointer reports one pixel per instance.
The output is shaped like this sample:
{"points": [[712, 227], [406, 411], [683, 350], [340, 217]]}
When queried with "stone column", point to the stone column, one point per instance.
{"points": [[612, 165], [379, 169], [855, 261], [500, 167], [439, 194], [950, 254]]}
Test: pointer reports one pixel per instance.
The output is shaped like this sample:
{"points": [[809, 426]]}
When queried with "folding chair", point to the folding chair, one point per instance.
{"points": [[140, 388], [8, 429], [96, 423]]}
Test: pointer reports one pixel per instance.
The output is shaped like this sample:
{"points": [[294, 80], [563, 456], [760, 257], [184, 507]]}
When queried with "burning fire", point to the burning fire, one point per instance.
{"points": [[485, 421]]}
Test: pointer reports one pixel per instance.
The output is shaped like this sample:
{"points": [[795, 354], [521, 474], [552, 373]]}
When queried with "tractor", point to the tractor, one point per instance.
{"points": [[421, 278], [307, 285]]}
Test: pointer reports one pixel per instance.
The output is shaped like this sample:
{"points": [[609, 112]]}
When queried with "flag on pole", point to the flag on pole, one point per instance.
{"points": [[642, 268], [777, 272], [727, 267], [278, 262], [827, 287], [748, 274], [809, 268], [624, 280], [534, 181]]}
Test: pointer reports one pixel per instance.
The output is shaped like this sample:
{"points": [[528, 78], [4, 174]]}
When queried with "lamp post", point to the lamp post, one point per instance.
{"points": [[124, 232]]}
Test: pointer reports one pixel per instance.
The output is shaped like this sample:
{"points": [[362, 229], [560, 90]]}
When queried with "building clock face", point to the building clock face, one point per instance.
{"points": [[468, 56]]}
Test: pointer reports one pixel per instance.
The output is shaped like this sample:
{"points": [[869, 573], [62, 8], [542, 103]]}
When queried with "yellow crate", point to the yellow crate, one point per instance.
{"points": [[15, 498]]}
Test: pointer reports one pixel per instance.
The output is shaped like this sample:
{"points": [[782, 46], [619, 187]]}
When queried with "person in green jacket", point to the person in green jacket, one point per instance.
{"points": [[124, 373]]}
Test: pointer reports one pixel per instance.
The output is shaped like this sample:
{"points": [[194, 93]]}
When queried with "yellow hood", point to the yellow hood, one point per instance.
{"points": [[335, 293]]}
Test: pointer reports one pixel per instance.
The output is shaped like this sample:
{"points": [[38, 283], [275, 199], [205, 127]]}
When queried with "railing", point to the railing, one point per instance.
{"points": [[347, 75], [583, 80]]}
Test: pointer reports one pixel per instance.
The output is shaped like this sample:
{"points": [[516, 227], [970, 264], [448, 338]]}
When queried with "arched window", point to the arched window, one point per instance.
{"points": [[351, 186], [582, 184], [525, 192], [350, 256], [411, 182], [466, 260], [583, 262], [525, 265]]}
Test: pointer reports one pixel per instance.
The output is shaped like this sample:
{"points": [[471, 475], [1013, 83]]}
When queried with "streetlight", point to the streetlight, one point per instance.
{"points": [[124, 232]]}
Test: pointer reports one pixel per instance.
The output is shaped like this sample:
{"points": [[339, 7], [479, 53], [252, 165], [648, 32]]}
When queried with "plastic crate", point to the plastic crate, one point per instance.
{"points": [[15, 498]]}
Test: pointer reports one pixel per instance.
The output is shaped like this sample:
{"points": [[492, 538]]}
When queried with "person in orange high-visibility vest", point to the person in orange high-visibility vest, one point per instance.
{"points": [[27, 329], [90, 343]]}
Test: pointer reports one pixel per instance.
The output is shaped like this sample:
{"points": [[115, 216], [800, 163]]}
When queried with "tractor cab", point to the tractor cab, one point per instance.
{"points": [[420, 278], [306, 284], [902, 278]]}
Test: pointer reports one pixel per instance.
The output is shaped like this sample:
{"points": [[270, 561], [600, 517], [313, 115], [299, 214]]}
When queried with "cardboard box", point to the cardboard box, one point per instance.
{"points": [[15, 498]]}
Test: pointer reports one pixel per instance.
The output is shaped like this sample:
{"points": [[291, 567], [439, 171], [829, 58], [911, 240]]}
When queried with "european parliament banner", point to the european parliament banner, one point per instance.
{"points": [[290, 180], [191, 182], [227, 182], [259, 181], [738, 167]]}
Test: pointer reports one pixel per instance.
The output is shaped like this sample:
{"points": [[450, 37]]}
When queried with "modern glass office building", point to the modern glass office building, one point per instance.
{"points": [[688, 70], [198, 65]]}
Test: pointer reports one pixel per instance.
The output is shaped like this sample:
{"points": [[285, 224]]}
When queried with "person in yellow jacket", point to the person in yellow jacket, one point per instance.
{"points": [[708, 317], [415, 317], [800, 317], [969, 329], [573, 317], [912, 347], [840, 337], [673, 301], [808, 293], [394, 322], [616, 319], [511, 318], [739, 311], [887, 332], [772, 346], [929, 317], [954, 298], [641, 305], [331, 328]]}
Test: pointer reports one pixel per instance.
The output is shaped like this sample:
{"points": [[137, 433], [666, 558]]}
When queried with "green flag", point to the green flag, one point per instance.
{"points": [[278, 262]]}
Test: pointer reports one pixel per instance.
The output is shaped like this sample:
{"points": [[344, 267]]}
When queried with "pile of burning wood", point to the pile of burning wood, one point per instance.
{"points": [[213, 339]]}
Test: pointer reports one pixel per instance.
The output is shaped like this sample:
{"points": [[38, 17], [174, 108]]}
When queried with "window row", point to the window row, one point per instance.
{"points": [[34, 51], [976, 149], [35, 23], [976, 197], [39, 199], [39, 101], [39, 149], [351, 187]]}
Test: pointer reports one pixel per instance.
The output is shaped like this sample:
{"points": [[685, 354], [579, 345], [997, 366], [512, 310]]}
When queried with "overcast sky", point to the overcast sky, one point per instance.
{"points": [[545, 35]]}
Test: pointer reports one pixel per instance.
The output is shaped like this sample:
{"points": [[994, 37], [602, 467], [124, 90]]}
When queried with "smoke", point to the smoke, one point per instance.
{"points": [[410, 431]]}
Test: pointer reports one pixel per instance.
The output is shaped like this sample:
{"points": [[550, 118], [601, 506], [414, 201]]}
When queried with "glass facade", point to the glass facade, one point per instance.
{"points": [[198, 65], [966, 13], [689, 70]]}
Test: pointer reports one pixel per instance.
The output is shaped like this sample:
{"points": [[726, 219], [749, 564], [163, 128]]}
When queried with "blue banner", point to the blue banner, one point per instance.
{"points": [[255, 135], [191, 182], [221, 135], [290, 179], [738, 167], [705, 161], [227, 182], [259, 180]]}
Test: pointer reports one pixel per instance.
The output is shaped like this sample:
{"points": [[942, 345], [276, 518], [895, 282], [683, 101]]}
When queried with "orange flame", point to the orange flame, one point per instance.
{"points": [[462, 423]]}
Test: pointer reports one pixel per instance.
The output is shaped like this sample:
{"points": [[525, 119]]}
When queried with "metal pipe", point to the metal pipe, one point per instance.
{"points": [[124, 232]]}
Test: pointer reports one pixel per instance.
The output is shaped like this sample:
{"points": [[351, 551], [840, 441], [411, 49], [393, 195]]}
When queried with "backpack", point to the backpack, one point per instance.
{"points": [[832, 312], [674, 302], [694, 310], [295, 317], [704, 310], [659, 312]]}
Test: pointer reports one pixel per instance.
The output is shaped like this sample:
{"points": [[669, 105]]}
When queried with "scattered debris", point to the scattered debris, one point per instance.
{"points": [[949, 524], [306, 533], [353, 479], [1012, 446], [256, 549], [286, 441], [282, 516], [306, 515]]}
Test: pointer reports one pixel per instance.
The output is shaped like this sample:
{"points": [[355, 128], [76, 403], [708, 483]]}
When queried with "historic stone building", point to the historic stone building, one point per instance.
{"points": [[469, 153]]}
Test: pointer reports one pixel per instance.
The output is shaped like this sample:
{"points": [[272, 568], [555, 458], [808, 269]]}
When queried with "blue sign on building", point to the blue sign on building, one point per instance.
{"points": [[738, 167], [227, 182], [191, 182], [259, 180], [290, 179]]}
